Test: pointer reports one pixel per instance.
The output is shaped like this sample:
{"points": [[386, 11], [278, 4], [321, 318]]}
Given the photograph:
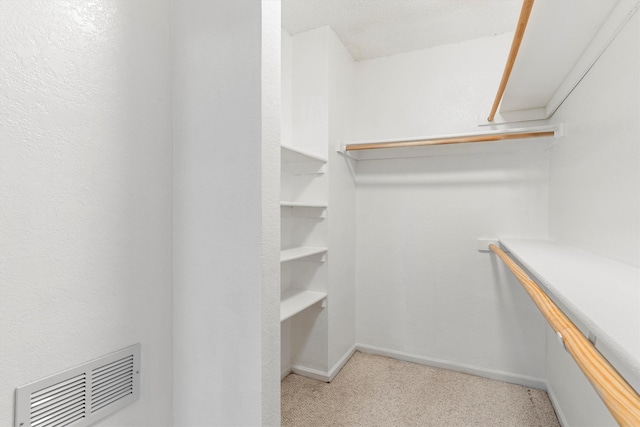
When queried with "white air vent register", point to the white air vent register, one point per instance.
{"points": [[82, 395]]}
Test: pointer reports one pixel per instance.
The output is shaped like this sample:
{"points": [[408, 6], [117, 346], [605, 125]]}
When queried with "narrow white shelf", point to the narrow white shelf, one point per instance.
{"points": [[603, 294], [293, 301], [294, 155], [447, 145], [300, 252], [303, 205]]}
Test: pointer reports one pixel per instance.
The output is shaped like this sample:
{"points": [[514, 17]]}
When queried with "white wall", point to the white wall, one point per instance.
{"points": [[423, 289], [217, 213], [595, 191], [341, 213], [286, 82], [85, 194], [595, 168], [271, 131]]}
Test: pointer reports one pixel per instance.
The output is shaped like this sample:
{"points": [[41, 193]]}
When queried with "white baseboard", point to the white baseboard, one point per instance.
{"points": [[556, 407], [321, 375], [284, 373], [522, 380], [458, 367], [340, 364]]}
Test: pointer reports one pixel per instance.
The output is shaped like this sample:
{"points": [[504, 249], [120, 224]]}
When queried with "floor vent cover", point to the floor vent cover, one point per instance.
{"points": [[82, 395]]}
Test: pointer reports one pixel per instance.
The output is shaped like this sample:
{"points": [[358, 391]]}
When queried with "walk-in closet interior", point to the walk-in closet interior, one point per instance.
{"points": [[391, 198], [201, 197]]}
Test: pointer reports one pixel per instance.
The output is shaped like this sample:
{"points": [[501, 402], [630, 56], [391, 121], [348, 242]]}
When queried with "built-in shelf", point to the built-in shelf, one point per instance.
{"points": [[602, 294], [303, 205], [300, 252], [294, 155], [293, 301]]}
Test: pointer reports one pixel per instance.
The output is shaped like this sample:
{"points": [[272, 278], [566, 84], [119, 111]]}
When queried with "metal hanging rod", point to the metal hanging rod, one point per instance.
{"points": [[620, 398], [450, 140], [525, 12]]}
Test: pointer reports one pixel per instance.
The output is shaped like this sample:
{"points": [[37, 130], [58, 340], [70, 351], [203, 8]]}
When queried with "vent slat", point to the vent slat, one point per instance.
{"points": [[52, 389], [112, 400], [125, 382], [57, 418], [126, 374], [116, 390], [78, 389], [69, 421], [99, 371], [71, 401], [108, 373], [110, 378]]}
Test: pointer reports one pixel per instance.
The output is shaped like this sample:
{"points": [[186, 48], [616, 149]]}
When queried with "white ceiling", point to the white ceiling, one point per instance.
{"points": [[375, 28]]}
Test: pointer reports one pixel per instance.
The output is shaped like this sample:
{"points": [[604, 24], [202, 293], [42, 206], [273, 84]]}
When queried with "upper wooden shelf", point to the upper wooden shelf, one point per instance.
{"points": [[602, 294]]}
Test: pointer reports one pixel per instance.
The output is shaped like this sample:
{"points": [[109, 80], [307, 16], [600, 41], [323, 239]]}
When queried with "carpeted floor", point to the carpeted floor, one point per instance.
{"points": [[379, 391]]}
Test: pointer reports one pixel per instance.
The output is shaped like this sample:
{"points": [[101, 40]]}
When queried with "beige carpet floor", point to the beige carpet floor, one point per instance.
{"points": [[378, 391]]}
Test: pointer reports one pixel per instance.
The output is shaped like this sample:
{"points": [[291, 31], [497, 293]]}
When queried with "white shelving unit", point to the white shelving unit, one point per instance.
{"points": [[307, 204], [293, 301]]}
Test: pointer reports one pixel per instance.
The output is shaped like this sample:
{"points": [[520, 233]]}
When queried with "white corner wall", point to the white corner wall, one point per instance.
{"points": [[342, 210], [218, 213], [424, 292], [85, 194], [595, 167], [271, 131], [594, 197]]}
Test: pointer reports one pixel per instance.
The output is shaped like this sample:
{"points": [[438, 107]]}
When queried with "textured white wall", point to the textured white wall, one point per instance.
{"points": [[595, 191], [342, 198], [595, 167], [217, 213], [271, 125], [287, 79], [422, 287], [85, 193]]}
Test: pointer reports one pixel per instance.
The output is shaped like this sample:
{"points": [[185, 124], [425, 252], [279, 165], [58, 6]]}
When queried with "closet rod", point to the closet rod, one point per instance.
{"points": [[449, 140], [527, 5], [620, 398]]}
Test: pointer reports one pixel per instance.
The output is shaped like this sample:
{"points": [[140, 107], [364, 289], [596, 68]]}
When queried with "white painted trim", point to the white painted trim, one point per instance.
{"points": [[556, 407], [458, 367], [617, 19], [314, 374], [321, 375], [340, 364], [284, 373]]}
